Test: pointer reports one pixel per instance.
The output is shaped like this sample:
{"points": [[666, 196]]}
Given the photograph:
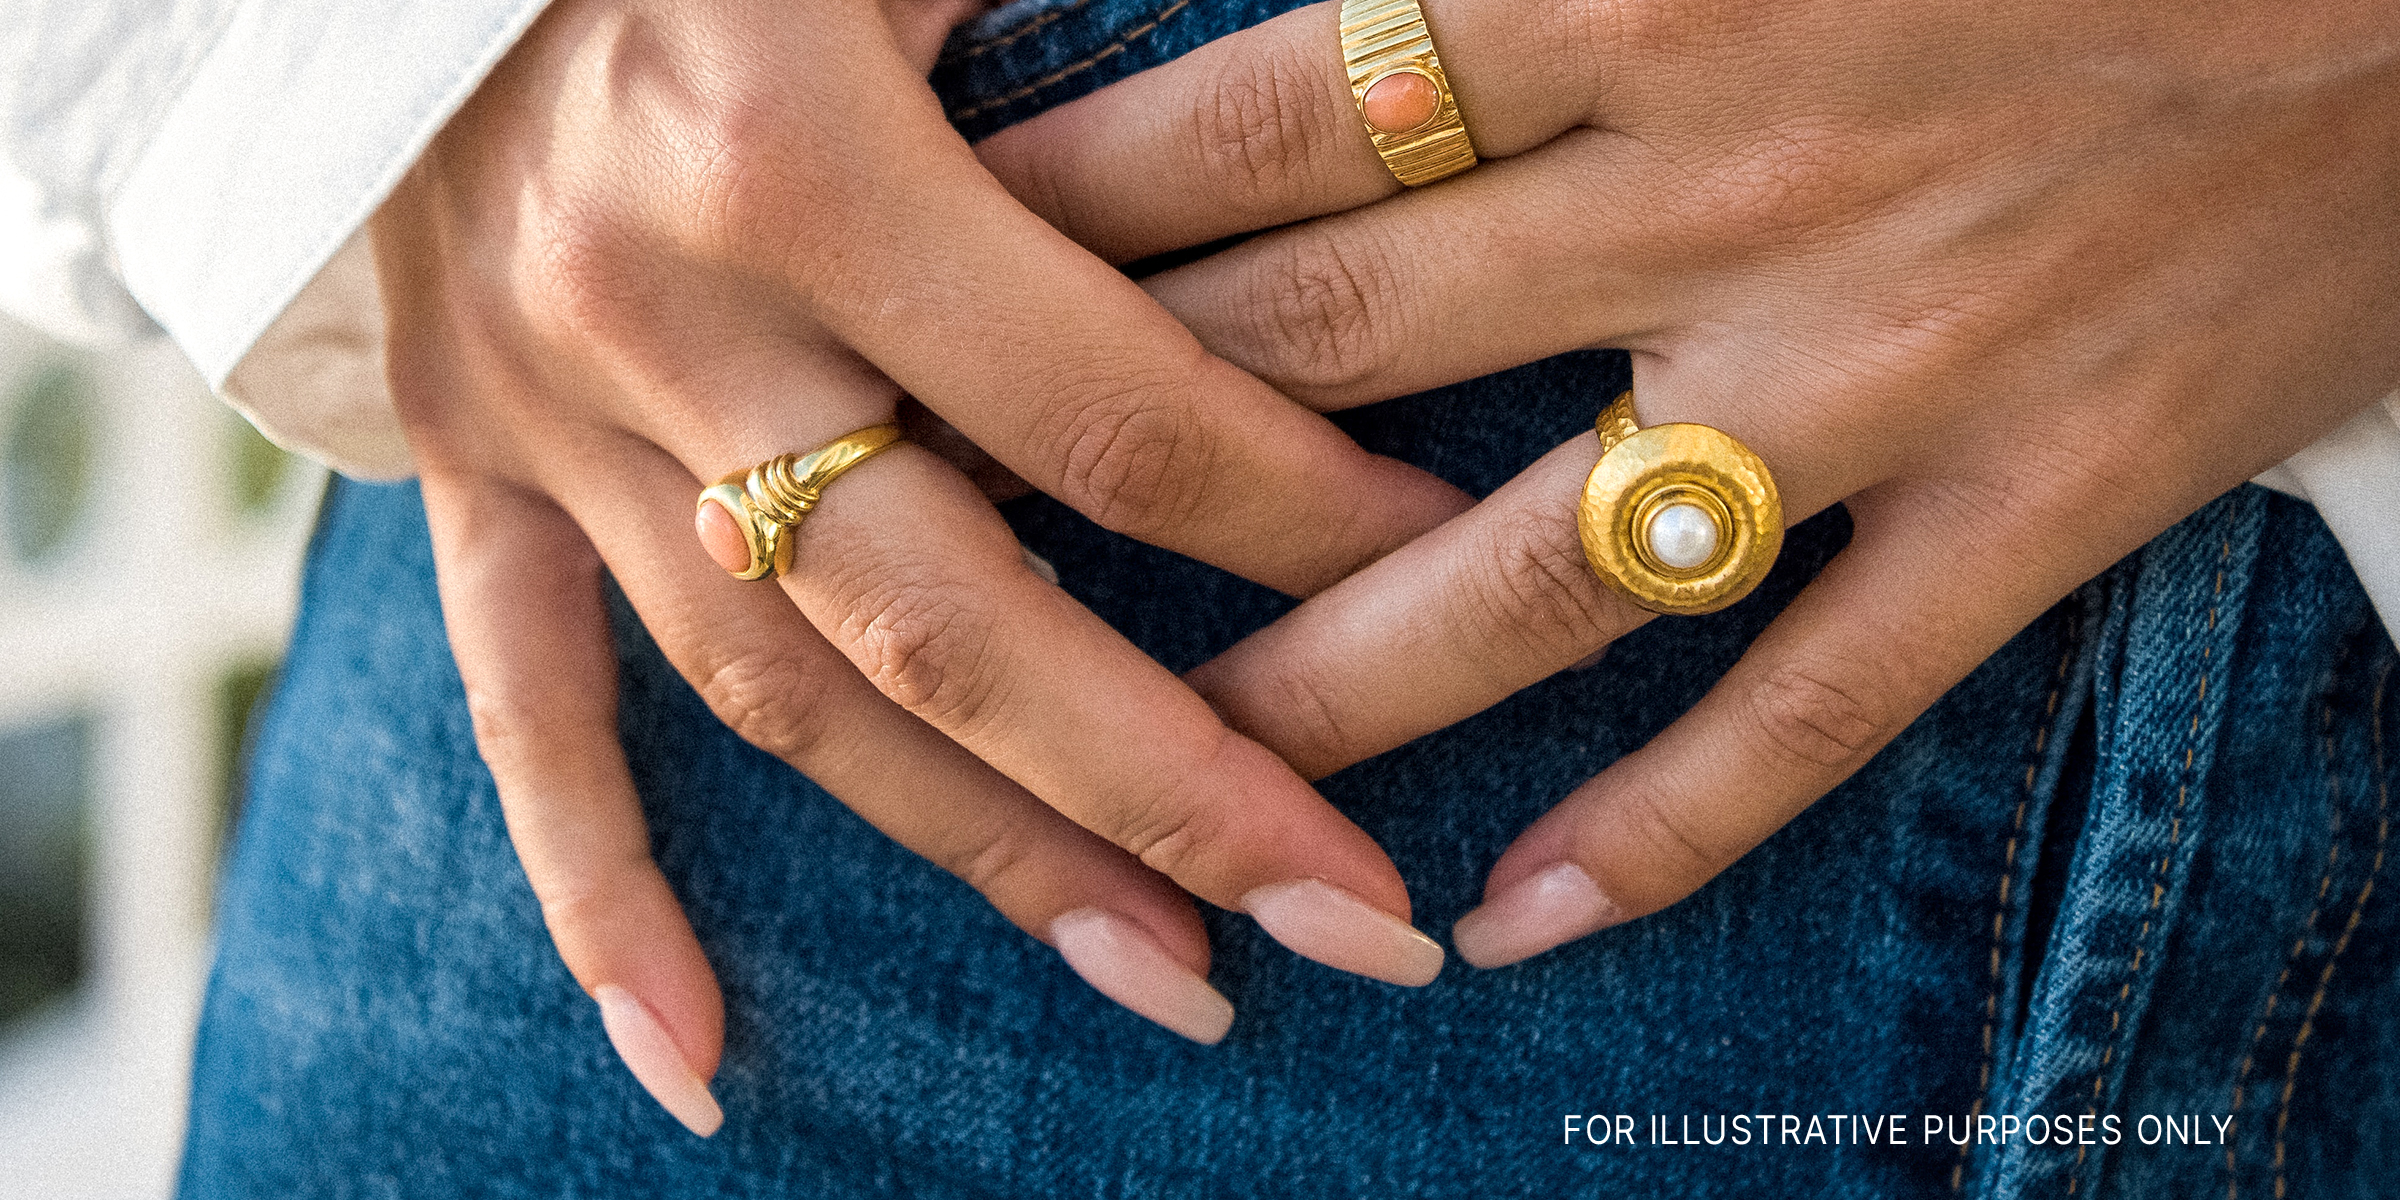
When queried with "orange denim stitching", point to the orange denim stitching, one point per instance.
{"points": [[2333, 854], [1021, 31], [2008, 866], [2158, 886], [1116, 47], [2358, 908]]}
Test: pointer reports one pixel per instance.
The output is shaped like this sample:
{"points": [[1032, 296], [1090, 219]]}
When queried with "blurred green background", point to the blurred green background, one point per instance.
{"points": [[50, 501]]}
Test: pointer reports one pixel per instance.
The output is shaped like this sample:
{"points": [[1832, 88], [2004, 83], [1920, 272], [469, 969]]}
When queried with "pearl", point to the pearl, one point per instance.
{"points": [[1682, 536], [1401, 101]]}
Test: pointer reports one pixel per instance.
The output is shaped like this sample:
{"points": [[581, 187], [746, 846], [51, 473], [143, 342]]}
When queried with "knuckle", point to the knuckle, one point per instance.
{"points": [[1260, 122], [1167, 836], [925, 645], [1170, 829], [1310, 731], [575, 905], [743, 187], [1680, 855], [508, 727], [1541, 592], [993, 867], [590, 897], [1806, 716], [585, 281], [1136, 463], [766, 697], [1328, 317]]}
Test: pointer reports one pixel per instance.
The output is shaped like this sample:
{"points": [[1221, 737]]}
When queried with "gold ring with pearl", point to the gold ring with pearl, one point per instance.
{"points": [[1678, 518]]}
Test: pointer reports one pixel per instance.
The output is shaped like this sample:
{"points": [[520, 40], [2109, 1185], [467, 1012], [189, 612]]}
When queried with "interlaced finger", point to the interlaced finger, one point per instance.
{"points": [[916, 580], [774, 681], [541, 681], [1260, 128], [1512, 262], [1084, 387], [1902, 614]]}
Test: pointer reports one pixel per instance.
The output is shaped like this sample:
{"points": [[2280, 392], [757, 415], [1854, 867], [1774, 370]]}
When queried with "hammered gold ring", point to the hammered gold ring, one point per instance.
{"points": [[1402, 95], [1677, 518], [749, 520]]}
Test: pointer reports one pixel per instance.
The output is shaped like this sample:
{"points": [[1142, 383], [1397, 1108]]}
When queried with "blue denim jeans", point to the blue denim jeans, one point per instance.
{"points": [[2102, 923]]}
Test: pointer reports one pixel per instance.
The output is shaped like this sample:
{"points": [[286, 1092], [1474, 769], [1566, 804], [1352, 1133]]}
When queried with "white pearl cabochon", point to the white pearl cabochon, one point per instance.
{"points": [[1682, 536]]}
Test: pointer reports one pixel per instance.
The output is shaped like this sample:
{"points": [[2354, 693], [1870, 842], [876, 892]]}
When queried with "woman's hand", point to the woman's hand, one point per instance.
{"points": [[2020, 283], [667, 240]]}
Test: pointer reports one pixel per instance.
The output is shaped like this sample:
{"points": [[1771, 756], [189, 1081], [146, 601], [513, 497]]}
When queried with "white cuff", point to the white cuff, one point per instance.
{"points": [[289, 132], [2352, 475]]}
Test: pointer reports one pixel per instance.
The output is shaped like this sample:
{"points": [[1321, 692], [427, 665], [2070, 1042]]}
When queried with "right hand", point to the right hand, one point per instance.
{"points": [[664, 241]]}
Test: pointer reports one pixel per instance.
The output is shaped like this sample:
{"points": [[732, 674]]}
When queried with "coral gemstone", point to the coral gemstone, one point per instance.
{"points": [[722, 537], [1401, 101]]}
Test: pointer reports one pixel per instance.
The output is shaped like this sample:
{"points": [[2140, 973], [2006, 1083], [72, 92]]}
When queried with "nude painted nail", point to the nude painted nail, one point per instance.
{"points": [[1314, 919], [1555, 905], [1127, 965], [656, 1064]]}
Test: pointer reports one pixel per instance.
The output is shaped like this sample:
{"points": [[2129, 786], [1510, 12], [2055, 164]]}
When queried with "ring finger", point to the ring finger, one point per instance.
{"points": [[907, 571]]}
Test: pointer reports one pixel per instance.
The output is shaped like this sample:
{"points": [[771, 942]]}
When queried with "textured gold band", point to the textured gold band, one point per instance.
{"points": [[1616, 423], [1382, 38], [787, 486], [768, 501], [1696, 481]]}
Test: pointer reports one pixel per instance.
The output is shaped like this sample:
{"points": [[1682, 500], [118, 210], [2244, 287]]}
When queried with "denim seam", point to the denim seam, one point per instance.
{"points": [[2158, 885], [2008, 867], [2291, 958], [1022, 31], [2358, 908], [1077, 67]]}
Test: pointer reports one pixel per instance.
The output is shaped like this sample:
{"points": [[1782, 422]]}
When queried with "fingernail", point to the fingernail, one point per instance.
{"points": [[1127, 965], [1314, 919], [1040, 566], [1557, 904], [656, 1064]]}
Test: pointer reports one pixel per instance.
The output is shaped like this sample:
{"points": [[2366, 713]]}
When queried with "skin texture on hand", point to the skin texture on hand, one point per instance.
{"points": [[666, 240], [2020, 284]]}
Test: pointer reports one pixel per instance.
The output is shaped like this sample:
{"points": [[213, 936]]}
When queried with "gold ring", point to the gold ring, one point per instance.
{"points": [[762, 507], [1402, 95], [1678, 518]]}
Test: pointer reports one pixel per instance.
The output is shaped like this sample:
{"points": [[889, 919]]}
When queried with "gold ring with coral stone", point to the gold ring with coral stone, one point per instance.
{"points": [[1403, 96], [748, 520]]}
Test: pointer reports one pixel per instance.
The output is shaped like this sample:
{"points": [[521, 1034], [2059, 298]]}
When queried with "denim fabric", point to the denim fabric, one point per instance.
{"points": [[2127, 869]]}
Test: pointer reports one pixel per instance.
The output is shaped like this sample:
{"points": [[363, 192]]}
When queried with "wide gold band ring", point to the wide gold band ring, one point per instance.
{"points": [[1402, 95], [1678, 518], [749, 520]]}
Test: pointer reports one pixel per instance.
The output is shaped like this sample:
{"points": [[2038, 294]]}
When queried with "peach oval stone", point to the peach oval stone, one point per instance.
{"points": [[721, 536], [1401, 101]]}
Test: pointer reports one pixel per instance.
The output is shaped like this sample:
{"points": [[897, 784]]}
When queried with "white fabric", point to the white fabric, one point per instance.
{"points": [[197, 163], [2353, 477], [205, 167]]}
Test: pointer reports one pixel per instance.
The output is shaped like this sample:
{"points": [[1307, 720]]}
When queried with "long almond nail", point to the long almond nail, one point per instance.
{"points": [[1554, 905], [656, 1064], [1127, 965], [1314, 919]]}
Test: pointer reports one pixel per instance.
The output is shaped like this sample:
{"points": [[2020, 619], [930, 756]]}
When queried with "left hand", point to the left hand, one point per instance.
{"points": [[2022, 284]]}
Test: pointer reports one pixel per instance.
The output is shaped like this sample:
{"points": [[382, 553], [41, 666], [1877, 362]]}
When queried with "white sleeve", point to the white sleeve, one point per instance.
{"points": [[2352, 475], [205, 166]]}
